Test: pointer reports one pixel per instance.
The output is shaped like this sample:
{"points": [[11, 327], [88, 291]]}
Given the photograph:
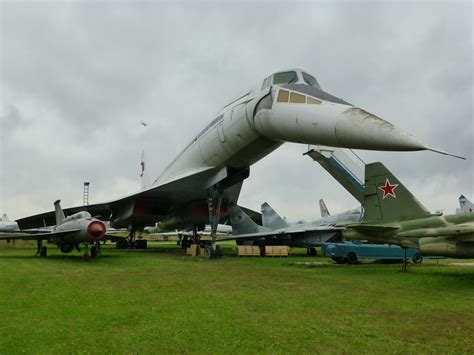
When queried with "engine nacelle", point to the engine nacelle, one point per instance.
{"points": [[96, 230], [446, 247]]}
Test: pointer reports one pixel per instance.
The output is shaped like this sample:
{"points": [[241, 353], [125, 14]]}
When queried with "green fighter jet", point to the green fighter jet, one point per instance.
{"points": [[394, 216]]}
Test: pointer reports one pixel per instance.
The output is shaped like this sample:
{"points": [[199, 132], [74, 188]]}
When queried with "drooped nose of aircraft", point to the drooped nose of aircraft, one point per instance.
{"points": [[357, 128], [96, 230], [304, 114]]}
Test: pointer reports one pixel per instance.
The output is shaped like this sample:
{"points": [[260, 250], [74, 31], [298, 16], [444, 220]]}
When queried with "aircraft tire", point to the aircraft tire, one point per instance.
{"points": [[417, 258], [121, 243], [209, 253], [141, 244], [352, 258], [94, 252], [311, 251], [44, 251]]}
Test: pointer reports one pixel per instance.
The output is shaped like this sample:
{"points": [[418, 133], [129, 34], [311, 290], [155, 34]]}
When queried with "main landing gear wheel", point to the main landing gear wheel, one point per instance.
{"points": [[141, 244], [44, 251], [94, 252], [311, 251], [121, 243], [210, 253]]}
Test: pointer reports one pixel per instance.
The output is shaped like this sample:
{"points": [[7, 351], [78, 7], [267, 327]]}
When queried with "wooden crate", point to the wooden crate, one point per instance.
{"points": [[248, 250], [269, 250], [277, 250], [193, 250], [285, 250]]}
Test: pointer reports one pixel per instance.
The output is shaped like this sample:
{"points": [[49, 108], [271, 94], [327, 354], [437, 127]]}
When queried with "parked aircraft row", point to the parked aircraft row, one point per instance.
{"points": [[207, 175], [275, 230]]}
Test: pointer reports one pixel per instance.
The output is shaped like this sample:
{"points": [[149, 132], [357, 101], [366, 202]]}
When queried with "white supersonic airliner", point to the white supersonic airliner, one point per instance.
{"points": [[207, 175]]}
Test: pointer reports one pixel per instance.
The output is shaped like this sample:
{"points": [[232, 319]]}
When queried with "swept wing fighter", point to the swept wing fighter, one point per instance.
{"points": [[392, 215], [276, 231], [271, 219], [207, 175], [68, 234]]}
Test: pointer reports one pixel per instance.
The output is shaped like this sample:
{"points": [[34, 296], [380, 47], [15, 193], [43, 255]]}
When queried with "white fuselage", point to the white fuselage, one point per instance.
{"points": [[79, 225], [257, 123], [8, 226], [226, 137]]}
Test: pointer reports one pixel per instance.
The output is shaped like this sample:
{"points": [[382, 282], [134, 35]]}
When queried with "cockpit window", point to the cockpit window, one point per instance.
{"points": [[81, 215], [287, 77], [269, 81], [310, 80]]}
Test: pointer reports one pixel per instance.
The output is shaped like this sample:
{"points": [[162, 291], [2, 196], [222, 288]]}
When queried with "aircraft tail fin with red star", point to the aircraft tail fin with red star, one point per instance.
{"points": [[386, 199]]}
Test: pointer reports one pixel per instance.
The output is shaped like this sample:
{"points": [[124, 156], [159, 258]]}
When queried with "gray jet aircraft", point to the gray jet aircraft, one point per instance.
{"points": [[8, 226], [271, 219], [68, 234], [350, 216], [207, 175], [276, 231]]}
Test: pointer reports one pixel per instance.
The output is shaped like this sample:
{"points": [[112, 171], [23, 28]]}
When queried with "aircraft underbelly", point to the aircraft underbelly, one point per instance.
{"points": [[446, 247]]}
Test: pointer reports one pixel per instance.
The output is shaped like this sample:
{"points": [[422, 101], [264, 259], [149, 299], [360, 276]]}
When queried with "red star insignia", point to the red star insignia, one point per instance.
{"points": [[388, 189]]}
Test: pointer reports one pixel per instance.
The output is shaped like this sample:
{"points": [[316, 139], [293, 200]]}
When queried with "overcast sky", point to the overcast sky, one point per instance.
{"points": [[77, 78]]}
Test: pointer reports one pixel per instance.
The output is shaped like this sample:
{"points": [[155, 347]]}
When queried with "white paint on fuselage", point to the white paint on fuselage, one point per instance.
{"points": [[78, 221], [8, 226], [212, 147], [237, 137]]}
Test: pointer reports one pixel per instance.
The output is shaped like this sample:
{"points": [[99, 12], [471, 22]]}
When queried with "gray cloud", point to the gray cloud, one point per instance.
{"points": [[78, 77]]}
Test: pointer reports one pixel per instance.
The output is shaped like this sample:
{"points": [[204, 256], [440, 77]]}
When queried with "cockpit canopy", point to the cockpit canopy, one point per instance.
{"points": [[295, 76], [80, 215]]}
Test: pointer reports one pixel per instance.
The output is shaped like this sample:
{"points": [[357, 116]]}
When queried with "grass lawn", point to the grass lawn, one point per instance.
{"points": [[163, 301]]}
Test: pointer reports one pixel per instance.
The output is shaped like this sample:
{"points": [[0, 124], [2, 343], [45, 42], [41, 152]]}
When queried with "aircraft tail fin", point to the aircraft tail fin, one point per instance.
{"points": [[242, 223], [465, 205], [271, 219], [5, 218], [58, 211], [386, 199], [324, 210]]}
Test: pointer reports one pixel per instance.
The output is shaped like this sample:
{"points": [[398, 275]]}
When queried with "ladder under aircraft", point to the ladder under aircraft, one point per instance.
{"points": [[347, 170]]}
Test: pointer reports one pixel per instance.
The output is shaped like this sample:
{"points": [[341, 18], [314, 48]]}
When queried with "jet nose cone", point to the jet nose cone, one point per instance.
{"points": [[96, 230], [357, 128]]}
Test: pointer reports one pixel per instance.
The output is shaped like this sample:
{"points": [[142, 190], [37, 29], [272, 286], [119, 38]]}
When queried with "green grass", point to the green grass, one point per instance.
{"points": [[163, 301]]}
